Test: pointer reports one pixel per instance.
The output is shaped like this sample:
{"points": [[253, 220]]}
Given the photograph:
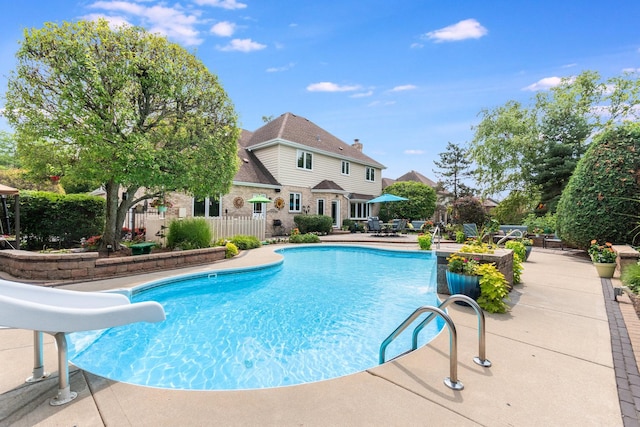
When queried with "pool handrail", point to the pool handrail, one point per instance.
{"points": [[452, 380], [481, 358]]}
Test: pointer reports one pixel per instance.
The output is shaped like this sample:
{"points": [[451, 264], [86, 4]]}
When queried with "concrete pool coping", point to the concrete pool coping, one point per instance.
{"points": [[551, 354]]}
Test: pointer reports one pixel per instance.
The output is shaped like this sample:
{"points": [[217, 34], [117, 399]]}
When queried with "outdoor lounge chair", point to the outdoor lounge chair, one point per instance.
{"points": [[398, 226], [373, 225], [470, 231]]}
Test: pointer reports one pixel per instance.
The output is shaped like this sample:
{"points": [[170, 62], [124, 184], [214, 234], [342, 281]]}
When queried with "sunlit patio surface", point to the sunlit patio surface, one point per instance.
{"points": [[553, 364]]}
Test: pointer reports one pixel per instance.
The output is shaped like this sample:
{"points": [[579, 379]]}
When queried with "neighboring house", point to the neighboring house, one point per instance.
{"points": [[302, 169]]}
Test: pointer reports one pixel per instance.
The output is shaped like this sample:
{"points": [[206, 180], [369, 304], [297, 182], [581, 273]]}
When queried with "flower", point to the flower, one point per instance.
{"points": [[602, 253], [537, 230], [527, 242], [463, 265], [295, 232]]}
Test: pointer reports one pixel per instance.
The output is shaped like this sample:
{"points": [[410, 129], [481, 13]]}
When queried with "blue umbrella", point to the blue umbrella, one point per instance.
{"points": [[385, 198]]}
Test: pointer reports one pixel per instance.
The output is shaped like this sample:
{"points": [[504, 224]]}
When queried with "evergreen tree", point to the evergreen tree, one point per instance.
{"points": [[454, 167]]}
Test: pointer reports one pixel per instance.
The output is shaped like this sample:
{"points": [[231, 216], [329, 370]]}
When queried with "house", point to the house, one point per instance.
{"points": [[302, 169]]}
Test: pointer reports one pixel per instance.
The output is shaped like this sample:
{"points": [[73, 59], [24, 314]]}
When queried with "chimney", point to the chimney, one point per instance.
{"points": [[356, 144]]}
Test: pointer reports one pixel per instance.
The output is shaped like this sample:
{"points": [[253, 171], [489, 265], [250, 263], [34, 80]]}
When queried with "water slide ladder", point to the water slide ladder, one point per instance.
{"points": [[452, 380]]}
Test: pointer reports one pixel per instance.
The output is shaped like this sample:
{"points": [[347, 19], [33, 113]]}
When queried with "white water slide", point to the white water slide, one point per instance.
{"points": [[58, 312]]}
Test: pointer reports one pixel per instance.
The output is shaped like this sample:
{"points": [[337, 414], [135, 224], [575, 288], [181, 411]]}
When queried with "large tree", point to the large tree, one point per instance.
{"points": [[536, 148], [454, 167], [8, 158], [421, 203], [122, 107]]}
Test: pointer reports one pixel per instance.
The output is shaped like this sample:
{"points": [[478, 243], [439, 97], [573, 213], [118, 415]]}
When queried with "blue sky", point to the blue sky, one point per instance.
{"points": [[403, 77]]}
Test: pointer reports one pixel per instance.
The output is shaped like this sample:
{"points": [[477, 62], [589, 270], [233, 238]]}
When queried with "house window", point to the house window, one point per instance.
{"points": [[207, 207], [320, 206], [258, 208], [359, 210], [305, 160], [295, 202], [370, 174], [346, 168]]}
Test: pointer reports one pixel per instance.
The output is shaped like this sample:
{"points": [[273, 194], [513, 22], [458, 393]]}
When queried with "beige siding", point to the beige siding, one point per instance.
{"points": [[270, 158]]}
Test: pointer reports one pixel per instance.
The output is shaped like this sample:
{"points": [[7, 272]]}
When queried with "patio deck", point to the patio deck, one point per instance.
{"points": [[552, 354]]}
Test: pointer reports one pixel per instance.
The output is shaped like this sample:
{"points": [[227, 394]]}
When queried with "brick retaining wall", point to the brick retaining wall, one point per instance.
{"points": [[626, 256], [503, 258], [88, 266]]}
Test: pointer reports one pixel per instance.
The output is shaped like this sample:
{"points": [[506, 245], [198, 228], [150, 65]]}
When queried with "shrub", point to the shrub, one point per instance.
{"points": [[595, 203], [313, 223], [468, 210], [547, 223], [424, 242], [230, 250], [190, 233], [60, 220], [244, 242], [631, 277], [517, 248], [460, 237], [493, 289], [304, 238]]}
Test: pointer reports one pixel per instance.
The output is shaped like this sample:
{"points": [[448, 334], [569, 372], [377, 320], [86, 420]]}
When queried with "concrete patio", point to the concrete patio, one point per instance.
{"points": [[552, 355]]}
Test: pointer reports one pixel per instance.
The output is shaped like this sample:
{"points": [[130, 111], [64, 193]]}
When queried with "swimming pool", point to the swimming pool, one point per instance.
{"points": [[320, 313]]}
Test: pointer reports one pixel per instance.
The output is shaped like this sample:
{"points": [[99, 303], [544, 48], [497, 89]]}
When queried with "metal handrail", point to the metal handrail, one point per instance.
{"points": [[509, 234], [437, 232], [452, 380], [481, 358]]}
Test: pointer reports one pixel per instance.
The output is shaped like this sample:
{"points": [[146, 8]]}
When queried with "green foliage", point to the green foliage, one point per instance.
{"points": [[547, 223], [514, 208], [460, 236], [462, 265], [454, 167], [595, 203], [189, 233], [313, 223], [602, 253], [467, 210], [230, 250], [304, 238], [8, 158], [22, 180], [517, 248], [493, 289], [424, 242], [245, 242], [478, 247], [57, 220], [352, 226], [122, 107], [631, 277], [421, 203]]}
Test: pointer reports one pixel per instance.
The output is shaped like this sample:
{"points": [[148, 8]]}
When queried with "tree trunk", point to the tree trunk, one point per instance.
{"points": [[115, 215]]}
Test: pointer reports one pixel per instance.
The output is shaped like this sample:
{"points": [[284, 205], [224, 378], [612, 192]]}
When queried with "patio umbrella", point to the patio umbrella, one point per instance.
{"points": [[387, 198], [259, 199]]}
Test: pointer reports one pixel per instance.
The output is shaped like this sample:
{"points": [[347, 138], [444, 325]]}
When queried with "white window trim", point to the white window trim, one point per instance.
{"points": [[342, 167], [304, 161], [368, 172], [299, 202]]}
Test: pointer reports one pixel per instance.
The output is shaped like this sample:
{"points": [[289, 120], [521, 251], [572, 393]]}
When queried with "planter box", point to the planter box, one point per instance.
{"points": [[503, 258]]}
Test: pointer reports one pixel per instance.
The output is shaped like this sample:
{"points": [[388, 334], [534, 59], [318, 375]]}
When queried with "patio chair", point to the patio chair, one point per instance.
{"points": [[398, 226], [470, 231], [373, 225]]}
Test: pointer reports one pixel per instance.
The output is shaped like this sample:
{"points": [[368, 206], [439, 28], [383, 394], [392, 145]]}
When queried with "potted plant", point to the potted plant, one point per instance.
{"points": [[161, 203], [462, 276], [604, 258]]}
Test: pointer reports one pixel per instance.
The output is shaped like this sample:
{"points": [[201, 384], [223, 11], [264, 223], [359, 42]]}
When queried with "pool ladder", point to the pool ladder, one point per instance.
{"points": [[452, 380]]}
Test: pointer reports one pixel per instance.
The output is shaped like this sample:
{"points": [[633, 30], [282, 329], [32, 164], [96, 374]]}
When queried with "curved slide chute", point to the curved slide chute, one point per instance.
{"points": [[60, 311]]}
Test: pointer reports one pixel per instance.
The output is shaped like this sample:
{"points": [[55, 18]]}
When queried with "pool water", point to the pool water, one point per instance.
{"points": [[321, 313]]}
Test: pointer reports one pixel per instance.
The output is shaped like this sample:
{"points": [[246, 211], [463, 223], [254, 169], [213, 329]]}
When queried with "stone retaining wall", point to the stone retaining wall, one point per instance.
{"points": [[88, 266], [626, 256], [503, 258]]}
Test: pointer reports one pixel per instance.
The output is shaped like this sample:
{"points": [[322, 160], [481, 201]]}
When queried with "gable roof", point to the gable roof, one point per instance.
{"points": [[298, 131], [251, 169], [416, 177]]}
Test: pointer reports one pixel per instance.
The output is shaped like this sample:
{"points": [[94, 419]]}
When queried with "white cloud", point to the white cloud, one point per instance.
{"points": [[172, 22], [416, 45], [403, 88], [114, 21], [331, 87], [223, 29], [467, 29], [380, 103], [362, 94], [242, 45], [225, 4], [412, 152], [544, 84], [631, 70], [280, 69]]}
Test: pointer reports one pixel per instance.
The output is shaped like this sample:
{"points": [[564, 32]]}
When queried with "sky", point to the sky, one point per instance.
{"points": [[403, 77]]}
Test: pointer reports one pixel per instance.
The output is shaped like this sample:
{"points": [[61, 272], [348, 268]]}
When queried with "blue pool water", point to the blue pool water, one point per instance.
{"points": [[321, 313]]}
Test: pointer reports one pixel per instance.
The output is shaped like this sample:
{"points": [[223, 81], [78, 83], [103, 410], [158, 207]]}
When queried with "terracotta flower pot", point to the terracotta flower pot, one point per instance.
{"points": [[605, 269]]}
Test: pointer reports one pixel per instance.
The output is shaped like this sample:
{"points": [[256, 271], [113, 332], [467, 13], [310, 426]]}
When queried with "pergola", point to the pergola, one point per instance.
{"points": [[10, 191]]}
